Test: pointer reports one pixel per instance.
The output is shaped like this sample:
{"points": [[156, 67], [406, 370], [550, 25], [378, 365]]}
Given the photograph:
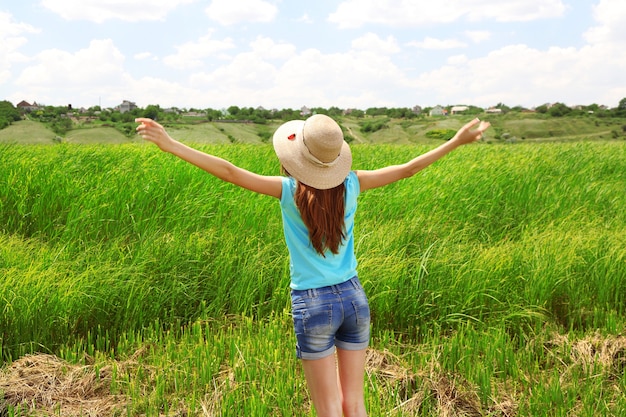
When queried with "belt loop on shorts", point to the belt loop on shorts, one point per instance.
{"points": [[312, 292], [354, 283]]}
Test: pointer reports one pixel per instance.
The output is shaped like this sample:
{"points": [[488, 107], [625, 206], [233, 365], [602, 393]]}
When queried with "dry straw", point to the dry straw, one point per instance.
{"points": [[48, 385], [52, 386]]}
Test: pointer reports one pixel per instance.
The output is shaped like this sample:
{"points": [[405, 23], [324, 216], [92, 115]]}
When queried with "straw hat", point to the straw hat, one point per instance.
{"points": [[313, 151]]}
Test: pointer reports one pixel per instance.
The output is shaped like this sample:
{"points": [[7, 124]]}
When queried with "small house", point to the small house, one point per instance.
{"points": [[127, 106], [27, 107], [458, 109], [438, 111]]}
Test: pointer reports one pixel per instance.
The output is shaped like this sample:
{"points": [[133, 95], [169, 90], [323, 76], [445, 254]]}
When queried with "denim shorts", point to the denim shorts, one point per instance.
{"points": [[329, 317]]}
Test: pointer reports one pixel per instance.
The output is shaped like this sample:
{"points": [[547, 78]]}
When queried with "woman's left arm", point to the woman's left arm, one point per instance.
{"points": [[387, 175]]}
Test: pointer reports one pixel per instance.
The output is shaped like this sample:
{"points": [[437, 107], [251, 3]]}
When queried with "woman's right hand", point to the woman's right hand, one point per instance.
{"points": [[466, 135]]}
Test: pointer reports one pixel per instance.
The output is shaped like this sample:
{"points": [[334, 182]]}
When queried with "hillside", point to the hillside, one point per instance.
{"points": [[534, 128], [34, 133], [509, 127], [28, 132]]}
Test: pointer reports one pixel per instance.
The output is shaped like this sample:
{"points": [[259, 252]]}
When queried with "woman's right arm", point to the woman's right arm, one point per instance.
{"points": [[392, 173], [152, 131]]}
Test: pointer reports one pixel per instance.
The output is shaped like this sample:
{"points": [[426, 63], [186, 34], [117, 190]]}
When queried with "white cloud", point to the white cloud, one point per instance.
{"points": [[100, 10], [9, 51], [10, 28], [373, 43], [247, 79], [158, 91], [457, 60], [518, 74], [356, 13], [340, 79], [305, 19], [377, 70], [513, 10], [144, 55], [478, 36], [229, 12], [432, 43], [245, 75], [269, 49], [11, 40], [610, 16], [193, 54], [357, 78], [82, 76]]}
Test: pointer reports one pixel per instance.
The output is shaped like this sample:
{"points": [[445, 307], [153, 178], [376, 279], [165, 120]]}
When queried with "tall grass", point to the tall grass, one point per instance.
{"points": [[117, 237], [472, 268], [521, 234]]}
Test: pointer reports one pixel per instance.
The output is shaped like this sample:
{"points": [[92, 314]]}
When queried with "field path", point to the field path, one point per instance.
{"points": [[358, 139]]}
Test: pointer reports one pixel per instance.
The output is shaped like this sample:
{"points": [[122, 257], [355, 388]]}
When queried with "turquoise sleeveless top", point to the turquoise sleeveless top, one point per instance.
{"points": [[308, 269]]}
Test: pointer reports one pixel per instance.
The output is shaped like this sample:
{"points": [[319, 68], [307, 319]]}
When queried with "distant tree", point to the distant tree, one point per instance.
{"points": [[621, 108], [374, 125], [213, 114], [129, 116], [170, 116], [503, 107], [287, 114], [477, 110], [335, 111], [399, 113], [264, 134], [61, 125], [234, 111], [261, 115], [319, 110], [246, 112], [8, 114], [357, 113], [376, 111], [559, 110], [152, 111]]}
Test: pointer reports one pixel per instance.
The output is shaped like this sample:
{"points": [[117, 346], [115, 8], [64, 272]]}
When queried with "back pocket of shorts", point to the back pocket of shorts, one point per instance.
{"points": [[318, 319]]}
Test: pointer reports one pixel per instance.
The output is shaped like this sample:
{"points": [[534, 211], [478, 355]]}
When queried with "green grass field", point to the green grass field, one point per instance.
{"points": [[135, 284]]}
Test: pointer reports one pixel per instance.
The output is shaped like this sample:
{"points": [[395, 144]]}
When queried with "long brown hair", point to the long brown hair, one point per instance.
{"points": [[322, 212]]}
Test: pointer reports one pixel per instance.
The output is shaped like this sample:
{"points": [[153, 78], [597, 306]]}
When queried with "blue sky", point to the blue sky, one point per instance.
{"points": [[287, 54]]}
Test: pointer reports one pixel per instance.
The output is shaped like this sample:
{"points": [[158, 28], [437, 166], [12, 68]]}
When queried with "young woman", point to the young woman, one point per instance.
{"points": [[318, 200]]}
